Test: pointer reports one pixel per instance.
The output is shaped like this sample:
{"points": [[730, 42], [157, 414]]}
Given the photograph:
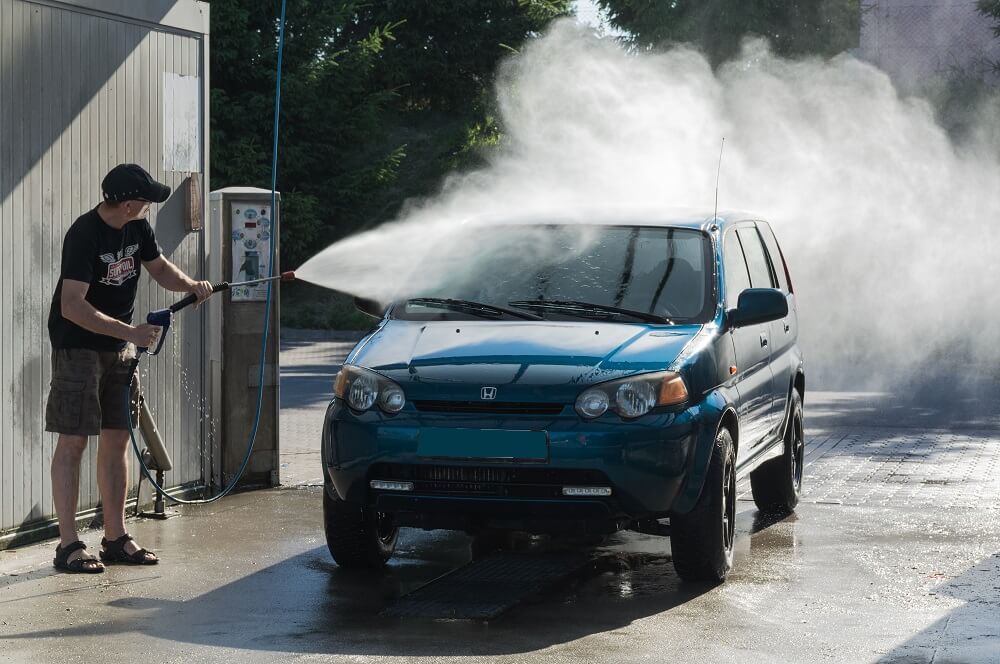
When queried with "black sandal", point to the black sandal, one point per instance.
{"points": [[114, 552], [79, 565]]}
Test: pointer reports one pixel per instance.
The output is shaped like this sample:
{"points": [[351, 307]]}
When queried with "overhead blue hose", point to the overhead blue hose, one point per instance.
{"points": [[267, 308]]}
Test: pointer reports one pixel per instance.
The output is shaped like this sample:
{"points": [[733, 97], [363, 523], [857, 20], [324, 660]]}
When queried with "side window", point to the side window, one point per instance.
{"points": [[737, 278], [760, 270], [777, 261]]}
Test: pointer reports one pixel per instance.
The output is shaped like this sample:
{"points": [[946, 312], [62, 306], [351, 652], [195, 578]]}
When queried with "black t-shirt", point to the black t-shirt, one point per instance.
{"points": [[110, 261]]}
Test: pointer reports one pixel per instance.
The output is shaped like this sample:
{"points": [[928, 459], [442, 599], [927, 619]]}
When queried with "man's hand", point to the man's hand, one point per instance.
{"points": [[145, 336], [202, 289]]}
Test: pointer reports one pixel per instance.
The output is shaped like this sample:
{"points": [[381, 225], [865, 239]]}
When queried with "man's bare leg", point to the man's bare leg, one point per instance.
{"points": [[112, 478], [66, 488]]}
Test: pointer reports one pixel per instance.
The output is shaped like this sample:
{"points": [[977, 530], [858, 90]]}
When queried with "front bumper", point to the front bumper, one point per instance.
{"points": [[646, 462]]}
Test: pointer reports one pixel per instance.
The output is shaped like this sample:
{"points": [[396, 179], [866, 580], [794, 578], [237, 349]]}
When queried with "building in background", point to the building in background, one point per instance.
{"points": [[918, 40], [85, 85]]}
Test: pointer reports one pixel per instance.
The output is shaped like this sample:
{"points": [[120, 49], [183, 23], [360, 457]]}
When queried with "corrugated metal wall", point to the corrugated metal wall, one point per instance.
{"points": [[80, 91]]}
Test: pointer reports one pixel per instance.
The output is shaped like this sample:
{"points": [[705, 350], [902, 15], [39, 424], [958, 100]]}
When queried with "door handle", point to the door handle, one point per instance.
{"points": [[763, 341], [787, 327]]}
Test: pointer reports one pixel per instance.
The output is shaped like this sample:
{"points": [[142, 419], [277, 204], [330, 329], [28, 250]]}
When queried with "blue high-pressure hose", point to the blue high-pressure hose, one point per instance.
{"points": [[267, 311]]}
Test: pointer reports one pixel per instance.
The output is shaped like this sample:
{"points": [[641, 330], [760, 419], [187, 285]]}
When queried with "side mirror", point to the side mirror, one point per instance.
{"points": [[372, 308], [758, 305]]}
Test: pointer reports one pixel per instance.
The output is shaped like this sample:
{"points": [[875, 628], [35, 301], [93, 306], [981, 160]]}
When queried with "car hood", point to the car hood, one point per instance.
{"points": [[529, 361]]}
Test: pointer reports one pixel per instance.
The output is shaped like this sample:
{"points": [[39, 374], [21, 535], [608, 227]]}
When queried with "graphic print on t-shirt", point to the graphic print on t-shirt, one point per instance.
{"points": [[121, 267]]}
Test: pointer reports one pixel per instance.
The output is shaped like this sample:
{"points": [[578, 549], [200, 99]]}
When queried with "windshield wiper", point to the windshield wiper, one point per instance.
{"points": [[478, 308], [585, 308]]}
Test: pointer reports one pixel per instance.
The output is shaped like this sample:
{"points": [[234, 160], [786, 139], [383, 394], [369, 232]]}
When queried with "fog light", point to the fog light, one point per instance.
{"points": [[586, 491], [388, 485]]}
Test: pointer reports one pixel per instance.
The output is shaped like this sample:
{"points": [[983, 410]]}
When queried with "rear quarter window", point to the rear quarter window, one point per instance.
{"points": [[737, 278], [777, 260], [753, 249]]}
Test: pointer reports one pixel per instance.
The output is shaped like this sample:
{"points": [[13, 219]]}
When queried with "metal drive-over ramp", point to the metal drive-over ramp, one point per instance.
{"points": [[485, 589]]}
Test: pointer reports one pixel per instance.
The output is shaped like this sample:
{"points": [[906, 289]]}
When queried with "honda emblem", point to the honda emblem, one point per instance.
{"points": [[489, 393]]}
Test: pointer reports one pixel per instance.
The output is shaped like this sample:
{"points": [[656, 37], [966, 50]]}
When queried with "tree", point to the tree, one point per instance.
{"points": [[331, 117], [379, 101], [991, 8], [794, 27]]}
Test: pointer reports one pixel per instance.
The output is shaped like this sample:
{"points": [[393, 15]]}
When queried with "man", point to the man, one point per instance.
{"points": [[93, 342]]}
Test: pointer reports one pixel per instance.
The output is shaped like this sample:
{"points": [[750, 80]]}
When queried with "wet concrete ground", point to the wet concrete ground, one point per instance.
{"points": [[894, 555]]}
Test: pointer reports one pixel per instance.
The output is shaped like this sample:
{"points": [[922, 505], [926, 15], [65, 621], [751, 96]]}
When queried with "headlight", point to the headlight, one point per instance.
{"points": [[362, 389], [633, 396], [363, 392]]}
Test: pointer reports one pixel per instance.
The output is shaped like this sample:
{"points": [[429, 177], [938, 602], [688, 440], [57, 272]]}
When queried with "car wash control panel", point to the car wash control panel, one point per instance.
{"points": [[251, 238]]}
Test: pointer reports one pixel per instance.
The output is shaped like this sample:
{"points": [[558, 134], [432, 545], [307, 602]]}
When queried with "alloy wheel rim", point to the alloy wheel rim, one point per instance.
{"points": [[798, 453], [728, 507]]}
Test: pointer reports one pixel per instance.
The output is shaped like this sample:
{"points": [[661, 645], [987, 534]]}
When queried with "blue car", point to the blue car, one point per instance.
{"points": [[601, 376]]}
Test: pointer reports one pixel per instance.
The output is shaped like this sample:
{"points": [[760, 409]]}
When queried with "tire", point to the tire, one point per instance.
{"points": [[777, 484], [357, 537], [701, 541]]}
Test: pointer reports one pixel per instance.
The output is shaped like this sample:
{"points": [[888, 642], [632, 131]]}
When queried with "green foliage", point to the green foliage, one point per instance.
{"points": [[379, 101], [308, 307], [794, 27], [332, 135], [991, 8]]}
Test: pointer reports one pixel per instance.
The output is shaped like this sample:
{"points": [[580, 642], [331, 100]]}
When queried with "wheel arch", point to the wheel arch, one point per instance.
{"points": [[731, 421], [718, 410]]}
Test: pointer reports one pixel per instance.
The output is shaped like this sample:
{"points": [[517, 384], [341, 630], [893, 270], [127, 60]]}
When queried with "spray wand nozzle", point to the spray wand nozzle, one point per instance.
{"points": [[161, 317]]}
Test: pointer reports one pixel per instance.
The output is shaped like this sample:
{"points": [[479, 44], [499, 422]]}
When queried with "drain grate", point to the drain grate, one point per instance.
{"points": [[484, 589]]}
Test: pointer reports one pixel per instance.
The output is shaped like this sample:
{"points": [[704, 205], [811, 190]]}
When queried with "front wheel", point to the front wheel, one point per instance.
{"points": [[701, 541], [777, 484], [357, 537]]}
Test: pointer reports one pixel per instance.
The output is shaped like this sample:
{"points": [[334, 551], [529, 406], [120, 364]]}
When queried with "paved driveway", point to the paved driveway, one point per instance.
{"points": [[894, 555]]}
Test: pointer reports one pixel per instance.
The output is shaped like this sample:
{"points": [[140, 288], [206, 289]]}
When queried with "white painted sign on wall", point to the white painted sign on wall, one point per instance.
{"points": [[181, 123]]}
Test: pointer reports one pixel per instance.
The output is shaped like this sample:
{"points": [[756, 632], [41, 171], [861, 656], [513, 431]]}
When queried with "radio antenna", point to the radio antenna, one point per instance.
{"points": [[717, 175]]}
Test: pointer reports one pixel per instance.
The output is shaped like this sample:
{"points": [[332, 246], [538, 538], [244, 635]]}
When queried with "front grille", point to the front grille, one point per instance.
{"points": [[489, 407], [488, 481]]}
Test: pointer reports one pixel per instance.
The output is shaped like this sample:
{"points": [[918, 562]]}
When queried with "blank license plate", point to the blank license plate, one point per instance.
{"points": [[441, 443]]}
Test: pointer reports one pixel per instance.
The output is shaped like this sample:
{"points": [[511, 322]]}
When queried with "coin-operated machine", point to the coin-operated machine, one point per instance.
{"points": [[244, 222]]}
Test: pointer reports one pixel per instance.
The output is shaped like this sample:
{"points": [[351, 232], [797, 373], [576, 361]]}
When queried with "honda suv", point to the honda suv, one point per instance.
{"points": [[591, 378]]}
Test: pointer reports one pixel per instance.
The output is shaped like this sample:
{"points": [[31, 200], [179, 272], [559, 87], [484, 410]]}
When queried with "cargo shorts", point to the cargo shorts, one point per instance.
{"points": [[87, 392]]}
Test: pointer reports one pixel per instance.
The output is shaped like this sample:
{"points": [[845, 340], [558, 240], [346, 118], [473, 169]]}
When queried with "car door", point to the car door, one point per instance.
{"points": [[783, 332], [762, 277], [753, 370]]}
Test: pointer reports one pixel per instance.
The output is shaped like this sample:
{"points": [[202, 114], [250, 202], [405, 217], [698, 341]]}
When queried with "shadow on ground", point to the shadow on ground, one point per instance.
{"points": [[970, 633], [938, 399], [306, 604]]}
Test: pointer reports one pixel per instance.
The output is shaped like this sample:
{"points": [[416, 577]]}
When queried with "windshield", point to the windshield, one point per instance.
{"points": [[555, 271]]}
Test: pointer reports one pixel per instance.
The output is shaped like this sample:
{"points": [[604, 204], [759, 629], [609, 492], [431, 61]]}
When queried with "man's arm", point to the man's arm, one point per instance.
{"points": [[76, 309], [173, 279]]}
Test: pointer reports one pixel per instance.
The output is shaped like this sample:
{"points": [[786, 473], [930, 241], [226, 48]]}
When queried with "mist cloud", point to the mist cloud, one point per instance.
{"points": [[887, 225]]}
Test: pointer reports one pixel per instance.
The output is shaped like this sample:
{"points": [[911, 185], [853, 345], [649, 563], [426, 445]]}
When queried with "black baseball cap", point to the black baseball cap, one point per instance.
{"points": [[131, 182]]}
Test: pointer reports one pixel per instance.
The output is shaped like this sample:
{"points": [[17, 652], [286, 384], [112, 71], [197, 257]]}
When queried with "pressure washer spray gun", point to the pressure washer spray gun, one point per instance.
{"points": [[162, 317], [155, 457]]}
